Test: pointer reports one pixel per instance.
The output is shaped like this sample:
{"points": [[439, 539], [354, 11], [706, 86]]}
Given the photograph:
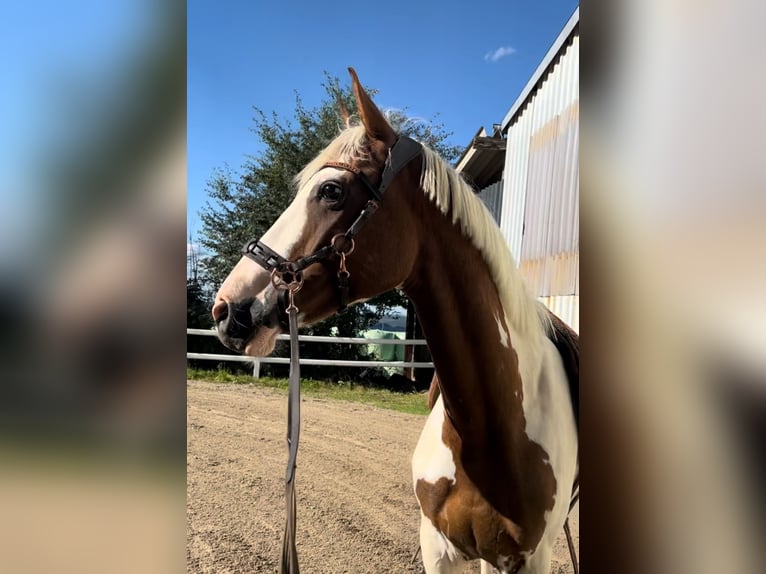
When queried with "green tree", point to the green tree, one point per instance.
{"points": [[197, 306], [198, 316], [242, 206]]}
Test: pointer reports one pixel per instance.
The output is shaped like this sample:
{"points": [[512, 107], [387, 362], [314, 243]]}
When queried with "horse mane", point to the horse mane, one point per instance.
{"points": [[457, 200], [447, 190], [351, 146]]}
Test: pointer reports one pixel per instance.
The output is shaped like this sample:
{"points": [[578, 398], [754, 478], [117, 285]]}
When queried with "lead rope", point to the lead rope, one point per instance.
{"points": [[568, 532], [570, 543], [288, 563]]}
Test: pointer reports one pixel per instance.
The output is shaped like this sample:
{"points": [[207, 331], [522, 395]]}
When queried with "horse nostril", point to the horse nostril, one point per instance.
{"points": [[220, 310]]}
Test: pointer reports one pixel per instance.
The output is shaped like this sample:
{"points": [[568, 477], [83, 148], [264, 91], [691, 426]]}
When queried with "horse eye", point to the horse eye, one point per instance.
{"points": [[331, 191]]}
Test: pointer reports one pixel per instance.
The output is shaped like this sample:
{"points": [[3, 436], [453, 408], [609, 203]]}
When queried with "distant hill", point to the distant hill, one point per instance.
{"points": [[396, 323]]}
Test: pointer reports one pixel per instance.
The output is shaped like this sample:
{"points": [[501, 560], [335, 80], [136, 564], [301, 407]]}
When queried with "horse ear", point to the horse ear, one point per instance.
{"points": [[344, 115], [374, 122]]}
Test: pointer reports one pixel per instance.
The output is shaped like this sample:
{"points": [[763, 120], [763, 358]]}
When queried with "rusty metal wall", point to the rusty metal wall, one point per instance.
{"points": [[550, 247], [540, 207]]}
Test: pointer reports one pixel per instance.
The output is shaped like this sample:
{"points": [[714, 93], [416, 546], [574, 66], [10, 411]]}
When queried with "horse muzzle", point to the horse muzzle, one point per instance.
{"points": [[240, 324]]}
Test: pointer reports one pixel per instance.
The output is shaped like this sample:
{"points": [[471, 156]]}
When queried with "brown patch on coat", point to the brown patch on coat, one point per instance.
{"points": [[465, 517], [479, 381], [504, 484], [433, 392]]}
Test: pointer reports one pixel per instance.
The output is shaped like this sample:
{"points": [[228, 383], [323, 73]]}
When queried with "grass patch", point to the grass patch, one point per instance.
{"points": [[413, 403]]}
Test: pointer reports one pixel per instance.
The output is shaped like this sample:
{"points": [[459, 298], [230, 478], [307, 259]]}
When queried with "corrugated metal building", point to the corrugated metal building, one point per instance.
{"points": [[539, 204]]}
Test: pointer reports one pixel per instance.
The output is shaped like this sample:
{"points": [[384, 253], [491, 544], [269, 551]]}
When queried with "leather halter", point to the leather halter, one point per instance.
{"points": [[286, 272]]}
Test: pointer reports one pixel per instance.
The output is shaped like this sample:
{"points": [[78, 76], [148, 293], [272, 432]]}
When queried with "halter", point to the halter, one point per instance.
{"points": [[287, 277]]}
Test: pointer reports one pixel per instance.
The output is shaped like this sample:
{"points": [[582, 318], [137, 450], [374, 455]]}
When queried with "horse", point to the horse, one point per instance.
{"points": [[497, 461]]}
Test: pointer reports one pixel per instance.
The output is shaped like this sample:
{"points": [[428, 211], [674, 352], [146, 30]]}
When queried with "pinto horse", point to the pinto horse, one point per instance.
{"points": [[496, 464]]}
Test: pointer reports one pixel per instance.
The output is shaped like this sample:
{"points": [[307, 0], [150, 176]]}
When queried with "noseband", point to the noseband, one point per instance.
{"points": [[287, 275]]}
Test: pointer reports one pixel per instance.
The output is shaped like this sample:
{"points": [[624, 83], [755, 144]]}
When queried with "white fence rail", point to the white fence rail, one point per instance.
{"points": [[257, 361]]}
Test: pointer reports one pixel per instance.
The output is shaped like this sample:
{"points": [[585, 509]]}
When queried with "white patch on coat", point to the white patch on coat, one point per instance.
{"points": [[502, 330], [248, 279], [439, 555], [504, 563], [287, 230], [539, 561], [550, 423], [432, 459]]}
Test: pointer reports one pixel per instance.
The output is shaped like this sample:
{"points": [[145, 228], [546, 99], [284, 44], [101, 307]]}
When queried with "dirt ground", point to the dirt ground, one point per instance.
{"points": [[356, 509]]}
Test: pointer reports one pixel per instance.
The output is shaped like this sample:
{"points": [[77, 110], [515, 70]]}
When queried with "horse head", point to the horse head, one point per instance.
{"points": [[339, 241]]}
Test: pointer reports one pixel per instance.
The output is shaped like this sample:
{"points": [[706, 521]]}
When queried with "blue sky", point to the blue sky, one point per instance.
{"points": [[466, 61]]}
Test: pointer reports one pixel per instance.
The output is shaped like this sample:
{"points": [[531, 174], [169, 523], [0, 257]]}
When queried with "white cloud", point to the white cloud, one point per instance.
{"points": [[501, 52]]}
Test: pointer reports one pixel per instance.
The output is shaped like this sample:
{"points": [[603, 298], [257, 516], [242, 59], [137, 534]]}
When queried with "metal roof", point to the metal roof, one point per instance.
{"points": [[482, 161], [549, 58]]}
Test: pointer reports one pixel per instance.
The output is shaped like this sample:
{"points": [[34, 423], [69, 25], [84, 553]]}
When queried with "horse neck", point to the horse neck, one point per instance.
{"points": [[479, 359], [474, 348]]}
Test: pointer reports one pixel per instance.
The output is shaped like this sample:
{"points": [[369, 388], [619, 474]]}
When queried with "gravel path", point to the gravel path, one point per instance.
{"points": [[356, 509]]}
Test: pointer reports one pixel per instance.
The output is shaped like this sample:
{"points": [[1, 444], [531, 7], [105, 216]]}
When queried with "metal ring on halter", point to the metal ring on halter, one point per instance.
{"points": [[278, 280], [344, 238]]}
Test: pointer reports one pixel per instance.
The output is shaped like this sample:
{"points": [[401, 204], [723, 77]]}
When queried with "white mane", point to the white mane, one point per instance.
{"points": [[350, 146], [454, 197]]}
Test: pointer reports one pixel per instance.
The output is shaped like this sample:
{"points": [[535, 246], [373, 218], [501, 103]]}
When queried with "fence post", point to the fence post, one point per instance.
{"points": [[409, 350], [256, 368]]}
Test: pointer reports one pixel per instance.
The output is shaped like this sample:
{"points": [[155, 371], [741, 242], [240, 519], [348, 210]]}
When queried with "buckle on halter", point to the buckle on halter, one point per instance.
{"points": [[284, 279], [337, 243]]}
